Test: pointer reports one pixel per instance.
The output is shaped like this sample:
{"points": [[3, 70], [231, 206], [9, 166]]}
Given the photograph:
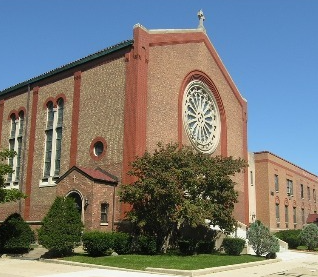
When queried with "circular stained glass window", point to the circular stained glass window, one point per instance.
{"points": [[201, 117]]}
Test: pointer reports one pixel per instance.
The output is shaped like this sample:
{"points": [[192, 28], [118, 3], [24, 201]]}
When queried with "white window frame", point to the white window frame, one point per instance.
{"points": [[15, 178], [52, 177]]}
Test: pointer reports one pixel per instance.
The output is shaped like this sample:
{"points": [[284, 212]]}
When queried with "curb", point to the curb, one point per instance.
{"points": [[211, 270]]}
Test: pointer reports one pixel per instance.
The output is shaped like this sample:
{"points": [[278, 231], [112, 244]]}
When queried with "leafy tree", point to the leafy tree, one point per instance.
{"points": [[177, 186], [309, 236], [7, 195], [62, 227], [261, 240]]}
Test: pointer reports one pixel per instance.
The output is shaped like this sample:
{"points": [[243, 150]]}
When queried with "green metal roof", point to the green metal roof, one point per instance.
{"points": [[88, 58]]}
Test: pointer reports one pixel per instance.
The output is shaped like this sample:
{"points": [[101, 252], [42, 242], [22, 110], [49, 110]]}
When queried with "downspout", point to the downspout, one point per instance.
{"points": [[113, 217], [24, 147]]}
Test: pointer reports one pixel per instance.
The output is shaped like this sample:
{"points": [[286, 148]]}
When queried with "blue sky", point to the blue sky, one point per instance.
{"points": [[269, 48]]}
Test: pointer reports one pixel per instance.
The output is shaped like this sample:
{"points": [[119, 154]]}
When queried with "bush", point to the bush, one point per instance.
{"points": [[122, 243], [97, 243], [62, 227], [261, 240], [205, 247], [233, 246], [291, 237], [309, 236], [186, 247], [16, 236], [146, 245]]}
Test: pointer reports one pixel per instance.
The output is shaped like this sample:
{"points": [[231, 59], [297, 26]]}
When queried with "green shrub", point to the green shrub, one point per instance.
{"points": [[291, 237], [186, 247], [146, 245], [309, 236], [205, 247], [16, 236], [62, 227], [233, 246], [261, 240], [122, 243], [97, 243]]}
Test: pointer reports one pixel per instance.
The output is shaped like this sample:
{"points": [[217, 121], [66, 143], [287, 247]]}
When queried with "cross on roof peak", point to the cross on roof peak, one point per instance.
{"points": [[201, 19]]}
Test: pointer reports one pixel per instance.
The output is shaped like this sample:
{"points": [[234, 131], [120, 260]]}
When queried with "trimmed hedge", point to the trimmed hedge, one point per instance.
{"points": [[146, 245], [290, 236], [97, 243], [16, 236], [205, 247], [233, 246], [186, 247]]}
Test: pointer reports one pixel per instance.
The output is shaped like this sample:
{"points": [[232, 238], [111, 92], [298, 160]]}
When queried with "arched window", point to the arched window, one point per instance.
{"points": [[15, 144], [53, 142]]}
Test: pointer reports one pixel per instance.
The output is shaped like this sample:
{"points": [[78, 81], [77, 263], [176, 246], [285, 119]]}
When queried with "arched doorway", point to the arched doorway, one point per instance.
{"points": [[78, 199]]}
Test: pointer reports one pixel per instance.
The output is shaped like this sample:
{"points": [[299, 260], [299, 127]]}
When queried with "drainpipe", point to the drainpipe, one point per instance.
{"points": [[113, 217]]}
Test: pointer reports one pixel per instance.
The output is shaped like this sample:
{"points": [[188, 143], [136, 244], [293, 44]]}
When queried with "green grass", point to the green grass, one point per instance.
{"points": [[165, 261]]}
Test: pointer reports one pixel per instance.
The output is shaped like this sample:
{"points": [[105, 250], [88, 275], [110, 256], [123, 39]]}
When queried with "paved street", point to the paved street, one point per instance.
{"points": [[292, 264]]}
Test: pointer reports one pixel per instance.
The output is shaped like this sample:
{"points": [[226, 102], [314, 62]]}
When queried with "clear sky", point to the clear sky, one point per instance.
{"points": [[269, 47]]}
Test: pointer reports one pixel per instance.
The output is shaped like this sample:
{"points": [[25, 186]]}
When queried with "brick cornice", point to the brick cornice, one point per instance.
{"points": [[287, 168]]}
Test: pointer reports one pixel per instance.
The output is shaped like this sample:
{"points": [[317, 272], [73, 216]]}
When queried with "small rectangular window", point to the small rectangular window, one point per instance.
{"points": [[104, 207], [277, 213], [302, 191], [286, 215], [276, 183], [308, 193], [303, 216]]}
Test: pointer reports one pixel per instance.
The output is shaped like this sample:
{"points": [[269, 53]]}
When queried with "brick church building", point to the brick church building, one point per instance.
{"points": [[76, 128]]}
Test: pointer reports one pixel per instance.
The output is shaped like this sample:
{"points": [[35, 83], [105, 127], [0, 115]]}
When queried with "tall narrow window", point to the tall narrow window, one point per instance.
{"points": [[314, 194], [301, 191], [53, 142], [276, 182], [286, 216], [308, 193], [277, 216], [289, 187], [15, 144], [303, 216], [251, 176], [104, 207], [294, 216], [59, 124]]}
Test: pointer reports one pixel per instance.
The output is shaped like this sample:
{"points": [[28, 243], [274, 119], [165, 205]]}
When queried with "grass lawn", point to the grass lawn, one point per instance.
{"points": [[165, 261]]}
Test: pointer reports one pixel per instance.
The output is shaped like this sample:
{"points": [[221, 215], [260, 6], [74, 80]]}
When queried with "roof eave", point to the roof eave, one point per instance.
{"points": [[68, 66]]}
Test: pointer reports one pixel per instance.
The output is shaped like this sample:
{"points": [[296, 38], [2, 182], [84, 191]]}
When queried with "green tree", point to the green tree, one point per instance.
{"points": [[309, 236], [62, 227], [7, 195], [178, 186], [261, 240]]}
